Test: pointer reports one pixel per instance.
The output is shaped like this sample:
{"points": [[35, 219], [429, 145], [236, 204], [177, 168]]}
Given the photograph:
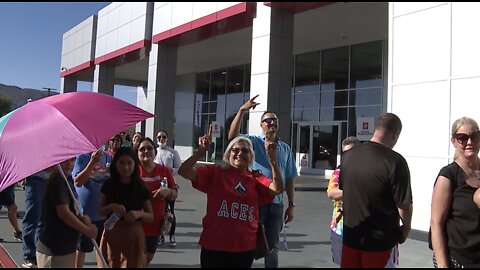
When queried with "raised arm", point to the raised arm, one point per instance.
{"points": [[235, 126], [276, 186], [82, 177], [188, 170]]}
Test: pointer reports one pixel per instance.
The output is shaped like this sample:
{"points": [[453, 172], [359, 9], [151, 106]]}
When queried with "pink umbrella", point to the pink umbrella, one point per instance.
{"points": [[53, 129]]}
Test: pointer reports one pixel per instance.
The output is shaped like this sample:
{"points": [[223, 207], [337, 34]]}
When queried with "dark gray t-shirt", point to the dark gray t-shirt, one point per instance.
{"points": [[375, 180], [59, 238]]}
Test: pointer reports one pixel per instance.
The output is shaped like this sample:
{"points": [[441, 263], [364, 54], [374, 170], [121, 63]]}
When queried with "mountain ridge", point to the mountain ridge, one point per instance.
{"points": [[19, 96]]}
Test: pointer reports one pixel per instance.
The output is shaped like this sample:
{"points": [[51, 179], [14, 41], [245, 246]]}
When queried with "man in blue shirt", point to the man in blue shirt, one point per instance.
{"points": [[271, 215], [90, 172]]}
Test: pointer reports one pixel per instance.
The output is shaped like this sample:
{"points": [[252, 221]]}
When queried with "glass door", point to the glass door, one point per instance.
{"points": [[318, 147]]}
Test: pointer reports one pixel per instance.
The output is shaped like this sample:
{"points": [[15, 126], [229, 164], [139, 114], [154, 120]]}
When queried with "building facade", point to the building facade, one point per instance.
{"points": [[327, 70]]}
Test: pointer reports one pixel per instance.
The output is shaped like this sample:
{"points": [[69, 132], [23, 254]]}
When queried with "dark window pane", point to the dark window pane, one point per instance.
{"points": [[326, 114], [327, 99], [303, 101], [341, 114], [212, 107], [218, 84], [203, 107], [202, 87], [341, 98], [248, 72], [314, 88], [366, 96], [235, 80], [334, 69], [331, 99], [294, 138], [305, 115], [234, 101], [366, 65], [307, 67], [344, 131]]}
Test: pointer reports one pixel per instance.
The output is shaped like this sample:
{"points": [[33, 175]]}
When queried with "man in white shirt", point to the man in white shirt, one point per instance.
{"points": [[169, 158]]}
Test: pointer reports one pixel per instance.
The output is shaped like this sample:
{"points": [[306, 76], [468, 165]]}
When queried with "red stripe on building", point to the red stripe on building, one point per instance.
{"points": [[130, 48], [208, 20], [77, 68], [296, 7]]}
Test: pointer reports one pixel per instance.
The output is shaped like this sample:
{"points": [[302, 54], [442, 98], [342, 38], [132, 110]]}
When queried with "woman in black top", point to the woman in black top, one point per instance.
{"points": [[126, 195], [455, 219]]}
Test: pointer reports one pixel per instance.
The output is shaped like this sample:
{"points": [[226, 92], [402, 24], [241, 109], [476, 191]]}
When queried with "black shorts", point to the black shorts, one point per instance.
{"points": [[7, 196], [151, 243], [85, 244]]}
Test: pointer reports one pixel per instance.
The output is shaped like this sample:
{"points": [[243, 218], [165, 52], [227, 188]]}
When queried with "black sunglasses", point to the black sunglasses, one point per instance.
{"points": [[237, 150], [462, 138], [161, 137], [270, 120]]}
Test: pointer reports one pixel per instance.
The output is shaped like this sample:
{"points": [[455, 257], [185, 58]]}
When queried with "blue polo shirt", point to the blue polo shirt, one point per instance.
{"points": [[89, 193], [285, 161]]}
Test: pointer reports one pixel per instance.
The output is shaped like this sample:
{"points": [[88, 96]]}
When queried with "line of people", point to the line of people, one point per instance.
{"points": [[371, 192], [373, 200], [96, 181]]}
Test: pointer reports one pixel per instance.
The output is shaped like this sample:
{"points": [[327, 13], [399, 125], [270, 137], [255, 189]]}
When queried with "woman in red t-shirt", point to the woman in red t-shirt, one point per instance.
{"points": [[152, 175], [234, 194]]}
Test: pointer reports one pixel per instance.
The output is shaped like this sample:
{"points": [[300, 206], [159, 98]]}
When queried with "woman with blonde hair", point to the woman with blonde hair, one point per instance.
{"points": [[234, 194], [455, 219]]}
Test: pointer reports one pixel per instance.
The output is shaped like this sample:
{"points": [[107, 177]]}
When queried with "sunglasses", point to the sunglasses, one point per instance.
{"points": [[237, 150], [462, 138], [147, 148], [161, 137], [270, 120]]}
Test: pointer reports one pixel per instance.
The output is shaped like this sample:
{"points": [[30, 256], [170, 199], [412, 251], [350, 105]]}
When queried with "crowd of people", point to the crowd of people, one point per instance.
{"points": [[131, 185]]}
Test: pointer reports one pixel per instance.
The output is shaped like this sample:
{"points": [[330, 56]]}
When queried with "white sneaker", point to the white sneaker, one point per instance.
{"points": [[173, 243], [162, 240]]}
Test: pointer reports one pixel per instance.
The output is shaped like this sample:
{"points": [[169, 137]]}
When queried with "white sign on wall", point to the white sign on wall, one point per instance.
{"points": [[215, 129], [365, 128]]}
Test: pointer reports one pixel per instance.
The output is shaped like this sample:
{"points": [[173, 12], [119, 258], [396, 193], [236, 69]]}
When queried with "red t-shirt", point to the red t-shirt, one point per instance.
{"points": [[233, 199], [153, 180]]}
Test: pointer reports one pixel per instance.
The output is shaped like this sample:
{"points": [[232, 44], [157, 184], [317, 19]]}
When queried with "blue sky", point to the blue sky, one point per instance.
{"points": [[31, 42]]}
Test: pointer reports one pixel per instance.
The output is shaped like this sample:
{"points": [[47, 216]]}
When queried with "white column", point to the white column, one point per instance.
{"points": [[272, 67]]}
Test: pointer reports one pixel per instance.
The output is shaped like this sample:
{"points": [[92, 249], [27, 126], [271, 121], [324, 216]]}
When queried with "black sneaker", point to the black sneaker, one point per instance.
{"points": [[29, 264], [17, 236]]}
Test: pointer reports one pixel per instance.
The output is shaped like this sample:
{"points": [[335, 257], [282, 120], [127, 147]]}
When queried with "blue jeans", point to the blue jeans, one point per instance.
{"points": [[271, 216], [34, 188]]}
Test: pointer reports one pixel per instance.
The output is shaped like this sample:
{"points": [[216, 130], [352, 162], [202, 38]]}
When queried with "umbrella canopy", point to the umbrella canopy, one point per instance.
{"points": [[50, 130]]}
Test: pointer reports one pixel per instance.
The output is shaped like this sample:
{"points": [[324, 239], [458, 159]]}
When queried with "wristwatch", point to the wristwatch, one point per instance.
{"points": [[291, 204]]}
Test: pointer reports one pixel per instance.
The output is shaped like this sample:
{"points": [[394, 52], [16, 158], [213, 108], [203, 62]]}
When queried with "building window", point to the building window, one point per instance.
{"points": [[219, 94], [339, 84]]}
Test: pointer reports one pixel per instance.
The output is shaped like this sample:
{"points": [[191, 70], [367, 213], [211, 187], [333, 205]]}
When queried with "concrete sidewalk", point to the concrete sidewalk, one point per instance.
{"points": [[308, 235]]}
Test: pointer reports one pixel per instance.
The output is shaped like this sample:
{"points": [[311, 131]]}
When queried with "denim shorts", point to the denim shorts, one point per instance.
{"points": [[7, 196]]}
